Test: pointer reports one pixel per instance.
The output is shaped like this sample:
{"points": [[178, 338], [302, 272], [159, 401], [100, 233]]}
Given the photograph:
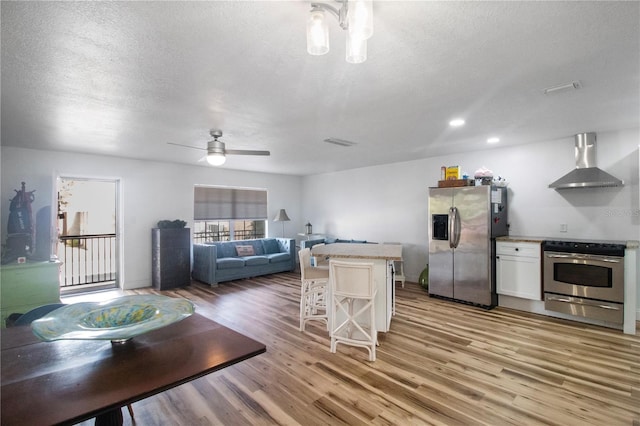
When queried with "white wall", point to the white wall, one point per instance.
{"points": [[389, 202], [150, 191], [382, 203]]}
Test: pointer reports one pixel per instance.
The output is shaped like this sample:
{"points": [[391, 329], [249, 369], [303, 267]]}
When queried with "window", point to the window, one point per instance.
{"points": [[224, 230], [227, 214]]}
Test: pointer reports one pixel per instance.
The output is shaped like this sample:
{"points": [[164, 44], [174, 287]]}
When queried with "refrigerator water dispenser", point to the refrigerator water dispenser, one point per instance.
{"points": [[440, 227]]}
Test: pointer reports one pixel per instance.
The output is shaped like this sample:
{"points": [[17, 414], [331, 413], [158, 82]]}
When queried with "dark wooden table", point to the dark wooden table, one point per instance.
{"points": [[69, 381]]}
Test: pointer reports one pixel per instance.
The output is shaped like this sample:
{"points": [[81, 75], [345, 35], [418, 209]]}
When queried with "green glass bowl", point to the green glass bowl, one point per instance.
{"points": [[117, 320]]}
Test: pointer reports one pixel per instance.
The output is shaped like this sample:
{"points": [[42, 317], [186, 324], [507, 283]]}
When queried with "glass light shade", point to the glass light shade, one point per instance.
{"points": [[360, 18], [216, 159], [356, 50], [317, 33]]}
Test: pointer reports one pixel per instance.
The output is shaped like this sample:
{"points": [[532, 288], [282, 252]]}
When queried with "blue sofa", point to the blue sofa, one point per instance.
{"points": [[216, 262]]}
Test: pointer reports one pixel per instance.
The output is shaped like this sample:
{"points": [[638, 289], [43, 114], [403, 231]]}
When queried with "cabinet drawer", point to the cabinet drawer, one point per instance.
{"points": [[518, 249]]}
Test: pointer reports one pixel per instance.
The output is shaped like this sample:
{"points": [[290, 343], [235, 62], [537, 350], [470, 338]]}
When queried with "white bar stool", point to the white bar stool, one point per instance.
{"points": [[313, 291], [352, 306]]}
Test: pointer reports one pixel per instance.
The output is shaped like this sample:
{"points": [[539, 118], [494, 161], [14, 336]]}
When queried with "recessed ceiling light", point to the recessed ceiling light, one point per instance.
{"points": [[456, 122], [493, 140]]}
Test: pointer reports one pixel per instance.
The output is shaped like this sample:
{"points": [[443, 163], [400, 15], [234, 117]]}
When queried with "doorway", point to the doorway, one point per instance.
{"points": [[87, 224]]}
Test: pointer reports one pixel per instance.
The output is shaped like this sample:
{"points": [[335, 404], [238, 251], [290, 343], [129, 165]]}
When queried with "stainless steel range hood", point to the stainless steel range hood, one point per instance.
{"points": [[586, 174]]}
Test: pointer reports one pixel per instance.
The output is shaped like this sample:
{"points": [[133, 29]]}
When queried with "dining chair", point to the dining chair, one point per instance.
{"points": [[352, 306], [313, 290]]}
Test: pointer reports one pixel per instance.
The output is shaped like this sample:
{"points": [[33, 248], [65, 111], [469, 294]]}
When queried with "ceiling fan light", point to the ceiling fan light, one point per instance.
{"points": [[317, 33], [360, 18], [216, 159], [356, 50]]}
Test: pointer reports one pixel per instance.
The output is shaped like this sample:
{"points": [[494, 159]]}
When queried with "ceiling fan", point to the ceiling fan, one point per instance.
{"points": [[216, 151]]}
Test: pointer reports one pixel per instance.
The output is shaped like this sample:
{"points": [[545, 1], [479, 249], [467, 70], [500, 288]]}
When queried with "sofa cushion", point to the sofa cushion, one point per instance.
{"points": [[226, 250], [255, 260], [270, 246], [243, 250], [257, 247], [279, 257], [230, 263]]}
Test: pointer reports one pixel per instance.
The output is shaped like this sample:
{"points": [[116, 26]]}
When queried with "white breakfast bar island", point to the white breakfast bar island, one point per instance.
{"points": [[382, 257]]}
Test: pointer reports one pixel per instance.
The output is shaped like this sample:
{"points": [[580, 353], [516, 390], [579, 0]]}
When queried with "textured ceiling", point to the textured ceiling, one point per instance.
{"points": [[126, 78]]}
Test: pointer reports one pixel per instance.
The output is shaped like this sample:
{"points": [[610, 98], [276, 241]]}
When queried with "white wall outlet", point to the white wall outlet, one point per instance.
{"points": [[563, 227]]}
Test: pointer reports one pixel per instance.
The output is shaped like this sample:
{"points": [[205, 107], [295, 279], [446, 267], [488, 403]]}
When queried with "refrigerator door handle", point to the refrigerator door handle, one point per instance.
{"points": [[456, 227], [452, 227]]}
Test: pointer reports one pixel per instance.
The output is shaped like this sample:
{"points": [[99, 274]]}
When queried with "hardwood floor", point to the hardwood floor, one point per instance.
{"points": [[442, 363]]}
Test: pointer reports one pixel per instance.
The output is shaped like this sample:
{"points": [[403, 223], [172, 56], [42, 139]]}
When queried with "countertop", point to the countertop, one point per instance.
{"points": [[630, 244], [359, 251], [521, 239]]}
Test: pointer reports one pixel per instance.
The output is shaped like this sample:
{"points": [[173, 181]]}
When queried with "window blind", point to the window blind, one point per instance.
{"points": [[215, 203]]}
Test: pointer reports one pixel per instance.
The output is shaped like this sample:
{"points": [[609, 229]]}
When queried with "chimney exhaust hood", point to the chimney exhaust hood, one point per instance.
{"points": [[586, 174]]}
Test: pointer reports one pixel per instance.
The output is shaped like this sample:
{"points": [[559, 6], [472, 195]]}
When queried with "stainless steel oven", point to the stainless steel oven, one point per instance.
{"points": [[584, 279]]}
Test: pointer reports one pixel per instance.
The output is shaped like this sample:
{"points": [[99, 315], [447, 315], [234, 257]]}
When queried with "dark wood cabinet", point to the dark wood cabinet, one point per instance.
{"points": [[171, 257]]}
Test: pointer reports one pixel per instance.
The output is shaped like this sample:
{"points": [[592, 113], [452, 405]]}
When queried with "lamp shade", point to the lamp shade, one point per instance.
{"points": [[281, 216], [317, 33]]}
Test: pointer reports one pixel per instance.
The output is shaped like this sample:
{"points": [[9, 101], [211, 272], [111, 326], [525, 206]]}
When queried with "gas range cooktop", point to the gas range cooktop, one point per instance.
{"points": [[606, 248]]}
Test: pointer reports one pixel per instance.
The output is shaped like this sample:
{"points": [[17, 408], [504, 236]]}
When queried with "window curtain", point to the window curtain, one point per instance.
{"points": [[215, 203]]}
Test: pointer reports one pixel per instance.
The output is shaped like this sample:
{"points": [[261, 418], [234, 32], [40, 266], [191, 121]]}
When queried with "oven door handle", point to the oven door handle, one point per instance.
{"points": [[581, 302], [582, 257]]}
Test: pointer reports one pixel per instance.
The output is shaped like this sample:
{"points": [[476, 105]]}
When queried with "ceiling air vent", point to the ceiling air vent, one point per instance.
{"points": [[340, 142], [574, 85]]}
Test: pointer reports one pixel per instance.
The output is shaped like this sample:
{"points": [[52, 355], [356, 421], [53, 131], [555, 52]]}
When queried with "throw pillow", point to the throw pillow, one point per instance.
{"points": [[244, 250], [270, 246]]}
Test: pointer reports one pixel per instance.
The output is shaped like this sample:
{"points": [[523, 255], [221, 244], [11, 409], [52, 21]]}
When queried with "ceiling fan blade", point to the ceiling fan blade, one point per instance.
{"points": [[187, 146], [245, 152]]}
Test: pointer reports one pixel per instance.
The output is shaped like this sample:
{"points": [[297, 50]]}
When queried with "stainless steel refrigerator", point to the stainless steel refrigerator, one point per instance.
{"points": [[464, 224]]}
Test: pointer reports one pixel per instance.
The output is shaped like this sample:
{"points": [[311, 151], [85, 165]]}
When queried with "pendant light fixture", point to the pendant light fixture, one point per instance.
{"points": [[356, 49], [360, 19], [317, 33], [355, 16]]}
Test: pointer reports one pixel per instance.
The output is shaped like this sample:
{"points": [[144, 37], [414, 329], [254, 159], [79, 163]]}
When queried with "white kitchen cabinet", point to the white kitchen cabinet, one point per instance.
{"points": [[518, 269]]}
